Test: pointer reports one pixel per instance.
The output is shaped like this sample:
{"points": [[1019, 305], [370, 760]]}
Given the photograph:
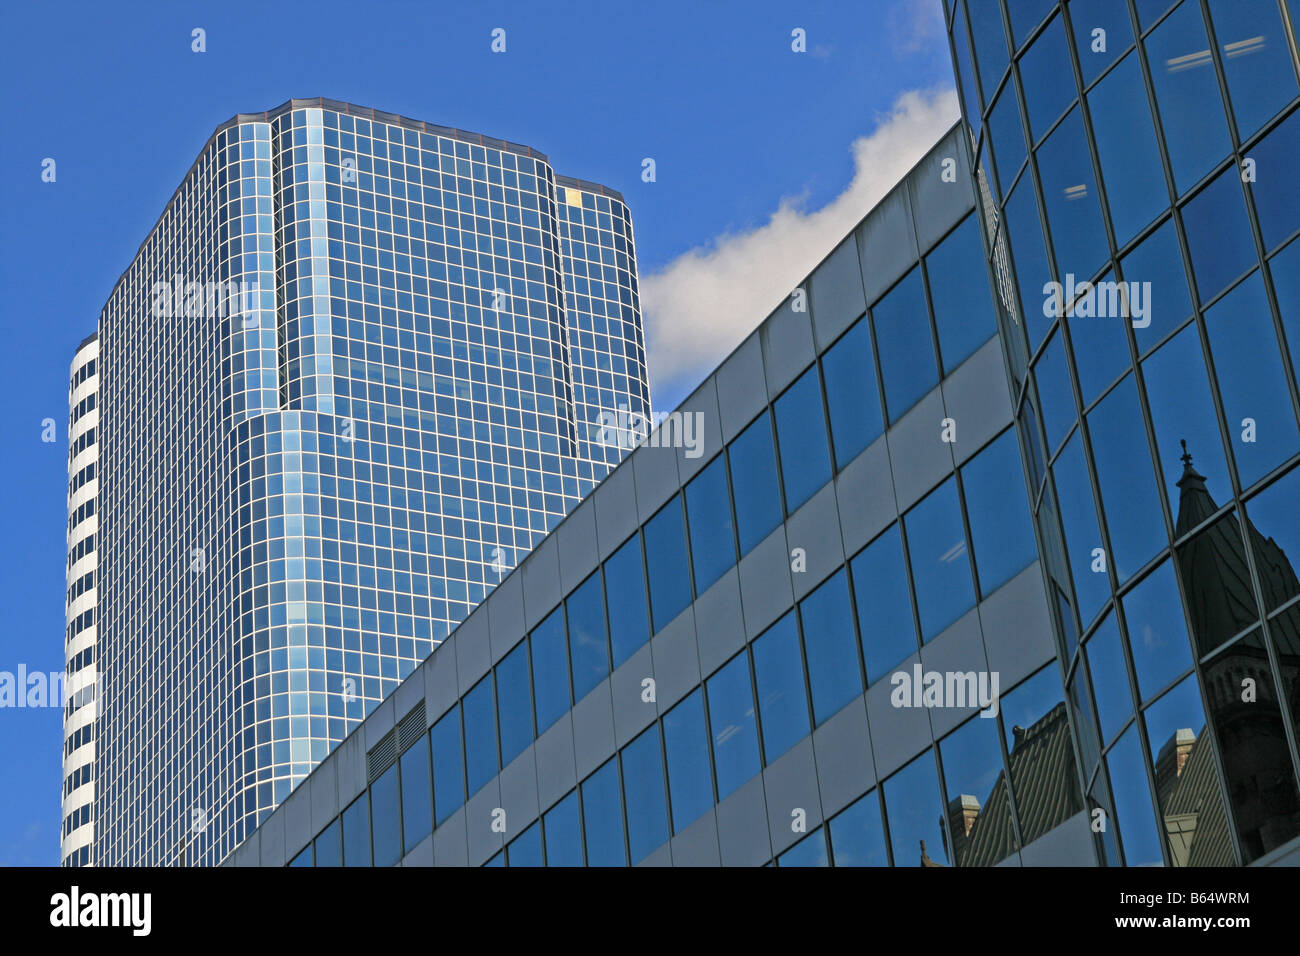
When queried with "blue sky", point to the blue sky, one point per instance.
{"points": [[764, 157]]}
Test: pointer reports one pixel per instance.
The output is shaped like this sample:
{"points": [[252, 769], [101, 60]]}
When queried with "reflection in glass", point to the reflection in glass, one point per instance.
{"points": [[1100, 348], [526, 849], [1256, 61], [850, 373], [1126, 146], [588, 647], [1048, 82], [1157, 631], [668, 563], [907, 361], [1111, 16], [1025, 231], [1218, 234], [1128, 782], [810, 851], [801, 437], [914, 812], [708, 513], [990, 43], [417, 795], [563, 827], [448, 765], [643, 789], [857, 834], [885, 618], [1055, 395], [830, 647], [480, 735], [782, 695], [1275, 539], [1158, 261], [1008, 133], [550, 670], [1110, 687], [629, 622], [514, 703], [686, 741], [1070, 196], [1277, 201], [979, 810], [356, 832], [1036, 732], [754, 483], [602, 817], [385, 800], [936, 544], [329, 848], [998, 511]]}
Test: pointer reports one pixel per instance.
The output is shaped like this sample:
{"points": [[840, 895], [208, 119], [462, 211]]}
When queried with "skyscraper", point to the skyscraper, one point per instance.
{"points": [[355, 371]]}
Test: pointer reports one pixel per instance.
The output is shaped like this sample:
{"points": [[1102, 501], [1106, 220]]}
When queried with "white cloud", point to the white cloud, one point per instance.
{"points": [[703, 303]]}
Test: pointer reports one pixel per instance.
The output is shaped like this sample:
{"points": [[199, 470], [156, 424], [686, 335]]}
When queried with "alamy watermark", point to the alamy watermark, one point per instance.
{"points": [[207, 300], [960, 689], [1103, 300], [623, 428]]}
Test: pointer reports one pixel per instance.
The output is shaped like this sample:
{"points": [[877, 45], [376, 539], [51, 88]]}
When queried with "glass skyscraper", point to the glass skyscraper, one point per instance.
{"points": [[1028, 436], [356, 371]]}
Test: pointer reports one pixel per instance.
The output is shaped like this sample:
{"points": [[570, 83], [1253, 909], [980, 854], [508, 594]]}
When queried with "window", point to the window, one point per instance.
{"points": [[550, 670], [979, 813], [602, 814], [514, 703], [448, 765], [1277, 206], [810, 851], [669, 564], [563, 827], [754, 483], [858, 836], [735, 731], [1253, 46], [1218, 234], [646, 800], [417, 794], [526, 849], [1056, 398], [990, 46], [1126, 146], [782, 696], [1278, 543], [913, 808], [1087, 16], [1082, 534], [1109, 674], [907, 361], [1024, 230], [329, 848], [936, 544], [850, 372], [588, 644], [1187, 92], [960, 294], [481, 756], [1070, 197], [1033, 719], [1048, 80], [1100, 346], [387, 818], [356, 832], [1158, 261], [304, 858], [708, 511], [689, 780], [884, 605], [1133, 808], [629, 622], [830, 646], [801, 434], [1008, 136], [998, 510]]}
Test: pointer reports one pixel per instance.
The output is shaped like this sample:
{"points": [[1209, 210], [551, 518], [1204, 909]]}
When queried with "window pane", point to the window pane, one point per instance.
{"points": [[1126, 145], [735, 732], [782, 696], [810, 851], [1100, 346], [754, 483], [564, 833], [602, 815], [1213, 568], [1284, 268], [850, 372], [1024, 230], [1035, 723], [1277, 201], [448, 765], [857, 835], [687, 743], [906, 349], [588, 645], [514, 703], [1082, 537], [629, 618], [1179, 746], [1048, 82], [1158, 261], [1025, 15], [884, 605], [1276, 539], [1157, 631], [1070, 195], [304, 858], [1052, 375], [990, 43], [936, 544], [1088, 16], [1119, 448], [831, 647], [329, 848], [1256, 60], [356, 832], [1183, 411], [1187, 92], [914, 810], [526, 850], [708, 513], [1218, 234], [550, 670], [960, 294], [801, 435], [979, 810], [1248, 364], [480, 736], [417, 795], [1110, 685], [1008, 135], [386, 818], [1001, 533], [643, 789], [667, 559], [965, 67], [498, 859], [1128, 782]]}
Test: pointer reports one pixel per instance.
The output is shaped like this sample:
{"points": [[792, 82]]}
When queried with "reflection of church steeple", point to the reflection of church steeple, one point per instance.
{"points": [[1239, 688]]}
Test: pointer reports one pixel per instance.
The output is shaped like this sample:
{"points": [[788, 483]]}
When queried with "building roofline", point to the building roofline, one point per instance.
{"points": [[92, 337]]}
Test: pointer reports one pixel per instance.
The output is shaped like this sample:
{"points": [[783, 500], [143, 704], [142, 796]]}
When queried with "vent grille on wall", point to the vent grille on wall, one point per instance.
{"points": [[384, 754]]}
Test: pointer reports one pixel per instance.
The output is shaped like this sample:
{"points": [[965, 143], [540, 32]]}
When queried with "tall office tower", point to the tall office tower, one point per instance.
{"points": [[354, 373], [78, 829], [1151, 144]]}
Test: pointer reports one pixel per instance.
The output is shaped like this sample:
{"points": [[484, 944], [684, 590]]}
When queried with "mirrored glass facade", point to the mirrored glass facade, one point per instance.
{"points": [[359, 368]]}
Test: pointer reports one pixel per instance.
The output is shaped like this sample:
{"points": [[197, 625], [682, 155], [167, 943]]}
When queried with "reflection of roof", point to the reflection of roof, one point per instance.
{"points": [[1047, 793], [1194, 818]]}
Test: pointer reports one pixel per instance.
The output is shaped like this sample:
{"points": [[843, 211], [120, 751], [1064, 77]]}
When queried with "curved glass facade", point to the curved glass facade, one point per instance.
{"points": [[1135, 177]]}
